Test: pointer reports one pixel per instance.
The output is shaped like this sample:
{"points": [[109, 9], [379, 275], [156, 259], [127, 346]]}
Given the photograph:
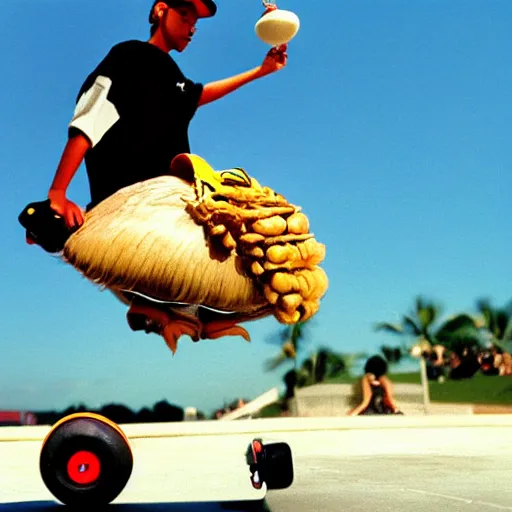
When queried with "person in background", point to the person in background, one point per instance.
{"points": [[436, 363], [376, 388], [487, 366], [506, 364], [463, 364]]}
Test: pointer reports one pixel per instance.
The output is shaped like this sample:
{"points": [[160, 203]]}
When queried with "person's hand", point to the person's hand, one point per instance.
{"points": [[70, 211], [275, 60]]}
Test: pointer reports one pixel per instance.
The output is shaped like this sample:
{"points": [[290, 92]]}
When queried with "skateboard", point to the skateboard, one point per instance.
{"points": [[87, 460]]}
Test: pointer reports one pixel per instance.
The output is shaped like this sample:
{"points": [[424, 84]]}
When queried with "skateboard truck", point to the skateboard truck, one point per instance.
{"points": [[254, 459]]}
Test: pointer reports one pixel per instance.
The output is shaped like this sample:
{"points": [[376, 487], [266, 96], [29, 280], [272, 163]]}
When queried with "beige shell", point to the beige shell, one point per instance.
{"points": [[273, 226], [270, 294], [310, 309], [298, 224], [311, 252], [228, 241], [252, 238], [278, 254], [257, 269], [256, 252], [286, 318], [290, 302], [218, 230], [284, 283]]}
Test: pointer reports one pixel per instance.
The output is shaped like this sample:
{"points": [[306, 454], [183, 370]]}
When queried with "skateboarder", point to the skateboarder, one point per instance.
{"points": [[131, 119], [133, 111]]}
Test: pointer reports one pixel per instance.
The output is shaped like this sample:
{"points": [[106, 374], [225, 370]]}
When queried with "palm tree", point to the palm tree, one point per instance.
{"points": [[393, 355], [497, 322], [459, 332], [416, 326], [319, 366], [421, 328], [291, 340]]}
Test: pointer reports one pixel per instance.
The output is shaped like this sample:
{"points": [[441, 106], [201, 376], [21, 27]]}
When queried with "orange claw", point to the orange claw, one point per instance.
{"points": [[170, 324], [218, 329], [172, 331]]}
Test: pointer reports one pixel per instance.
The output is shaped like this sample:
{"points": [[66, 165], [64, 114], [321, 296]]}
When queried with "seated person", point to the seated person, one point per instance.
{"points": [[377, 394], [435, 363]]}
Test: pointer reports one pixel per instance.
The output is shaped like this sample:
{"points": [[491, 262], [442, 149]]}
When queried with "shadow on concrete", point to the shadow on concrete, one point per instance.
{"points": [[231, 506]]}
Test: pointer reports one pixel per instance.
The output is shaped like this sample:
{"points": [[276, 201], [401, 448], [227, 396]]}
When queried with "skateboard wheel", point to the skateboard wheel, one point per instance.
{"points": [[271, 463], [276, 466], [86, 461]]}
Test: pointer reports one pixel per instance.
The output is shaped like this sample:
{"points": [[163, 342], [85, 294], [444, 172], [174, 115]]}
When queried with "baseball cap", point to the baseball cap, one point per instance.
{"points": [[204, 8]]}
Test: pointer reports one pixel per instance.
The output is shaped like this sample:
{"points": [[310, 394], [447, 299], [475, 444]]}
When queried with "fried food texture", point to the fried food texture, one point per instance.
{"points": [[270, 236]]}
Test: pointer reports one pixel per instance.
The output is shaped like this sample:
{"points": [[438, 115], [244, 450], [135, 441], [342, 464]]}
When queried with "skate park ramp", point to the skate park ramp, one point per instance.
{"points": [[396, 463]]}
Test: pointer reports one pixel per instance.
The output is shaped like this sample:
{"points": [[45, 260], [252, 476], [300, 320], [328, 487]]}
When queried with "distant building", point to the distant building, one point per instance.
{"points": [[17, 418]]}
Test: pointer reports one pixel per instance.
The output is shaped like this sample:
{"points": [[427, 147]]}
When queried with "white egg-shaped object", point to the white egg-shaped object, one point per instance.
{"points": [[277, 27]]}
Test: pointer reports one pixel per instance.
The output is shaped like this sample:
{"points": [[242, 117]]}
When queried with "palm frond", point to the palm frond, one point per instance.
{"points": [[275, 362], [497, 320], [460, 329], [507, 333], [392, 354], [460, 321], [387, 327], [483, 305], [427, 316], [488, 313], [502, 321], [419, 304], [412, 327], [426, 312], [335, 364]]}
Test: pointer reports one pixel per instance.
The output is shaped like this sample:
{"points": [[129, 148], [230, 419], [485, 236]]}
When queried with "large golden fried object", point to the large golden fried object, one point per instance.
{"points": [[269, 235], [202, 237]]}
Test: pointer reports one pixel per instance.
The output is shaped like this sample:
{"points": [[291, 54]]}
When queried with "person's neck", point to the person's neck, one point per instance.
{"points": [[158, 40]]}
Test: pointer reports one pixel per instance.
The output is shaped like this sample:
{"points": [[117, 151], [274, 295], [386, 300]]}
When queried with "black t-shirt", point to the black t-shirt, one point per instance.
{"points": [[135, 107]]}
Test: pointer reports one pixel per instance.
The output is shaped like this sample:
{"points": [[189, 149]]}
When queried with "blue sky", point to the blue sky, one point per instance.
{"points": [[390, 126]]}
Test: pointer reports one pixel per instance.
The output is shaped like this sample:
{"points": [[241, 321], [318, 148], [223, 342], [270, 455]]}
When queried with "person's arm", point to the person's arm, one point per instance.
{"points": [[274, 61], [72, 157], [388, 393], [96, 111], [367, 395]]}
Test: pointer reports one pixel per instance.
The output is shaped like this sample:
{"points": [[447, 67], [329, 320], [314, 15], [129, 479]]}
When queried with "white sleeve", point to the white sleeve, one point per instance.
{"points": [[94, 114]]}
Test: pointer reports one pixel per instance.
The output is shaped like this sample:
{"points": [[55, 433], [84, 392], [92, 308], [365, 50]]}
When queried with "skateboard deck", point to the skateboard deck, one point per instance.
{"points": [[206, 470]]}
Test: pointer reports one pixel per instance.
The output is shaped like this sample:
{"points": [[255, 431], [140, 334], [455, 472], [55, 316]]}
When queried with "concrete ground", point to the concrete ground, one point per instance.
{"points": [[348, 464], [460, 469]]}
